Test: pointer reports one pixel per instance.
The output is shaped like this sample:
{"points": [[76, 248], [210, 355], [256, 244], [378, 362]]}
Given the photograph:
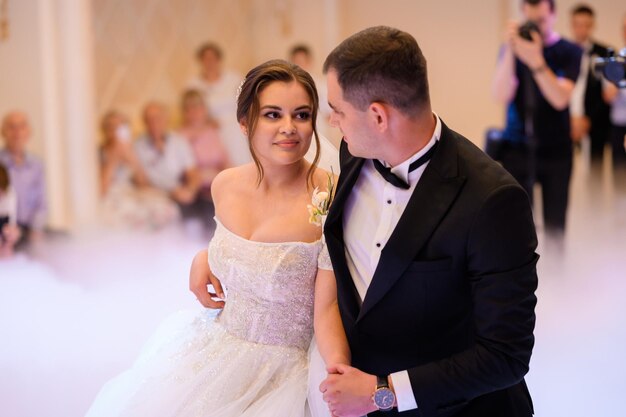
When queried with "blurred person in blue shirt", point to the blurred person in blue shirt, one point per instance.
{"points": [[26, 176]]}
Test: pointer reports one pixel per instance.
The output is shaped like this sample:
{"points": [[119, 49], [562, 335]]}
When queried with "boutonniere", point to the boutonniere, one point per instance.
{"points": [[320, 202]]}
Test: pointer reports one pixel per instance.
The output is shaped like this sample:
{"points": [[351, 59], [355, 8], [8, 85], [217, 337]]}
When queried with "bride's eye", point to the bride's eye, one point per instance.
{"points": [[272, 115], [303, 115]]}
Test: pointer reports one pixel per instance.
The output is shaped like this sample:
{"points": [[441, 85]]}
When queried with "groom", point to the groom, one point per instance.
{"points": [[433, 246]]}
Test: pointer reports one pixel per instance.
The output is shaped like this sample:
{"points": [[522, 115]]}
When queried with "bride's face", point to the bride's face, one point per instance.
{"points": [[284, 127]]}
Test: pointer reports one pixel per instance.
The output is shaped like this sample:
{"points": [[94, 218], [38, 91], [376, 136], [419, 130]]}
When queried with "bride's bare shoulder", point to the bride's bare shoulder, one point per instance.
{"points": [[233, 180]]}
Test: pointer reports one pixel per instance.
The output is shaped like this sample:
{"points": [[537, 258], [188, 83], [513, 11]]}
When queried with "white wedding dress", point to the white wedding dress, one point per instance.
{"points": [[250, 359]]}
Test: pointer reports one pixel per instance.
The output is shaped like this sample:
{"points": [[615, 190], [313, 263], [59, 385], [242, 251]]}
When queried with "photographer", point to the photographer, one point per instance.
{"points": [[535, 77]]}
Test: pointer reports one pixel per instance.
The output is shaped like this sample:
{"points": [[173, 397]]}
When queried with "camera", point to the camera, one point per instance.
{"points": [[612, 67], [527, 28]]}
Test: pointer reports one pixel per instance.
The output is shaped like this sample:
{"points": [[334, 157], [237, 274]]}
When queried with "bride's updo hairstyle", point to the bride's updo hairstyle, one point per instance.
{"points": [[248, 106]]}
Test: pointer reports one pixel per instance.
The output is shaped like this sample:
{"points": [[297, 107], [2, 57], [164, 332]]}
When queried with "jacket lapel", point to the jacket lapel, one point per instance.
{"points": [[436, 191], [350, 169], [333, 232]]}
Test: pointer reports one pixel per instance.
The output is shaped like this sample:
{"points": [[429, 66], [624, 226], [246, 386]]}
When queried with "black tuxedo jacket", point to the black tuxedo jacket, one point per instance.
{"points": [[452, 299], [596, 109], [595, 106]]}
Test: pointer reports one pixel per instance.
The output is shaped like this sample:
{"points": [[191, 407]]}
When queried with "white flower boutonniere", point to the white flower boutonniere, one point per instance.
{"points": [[320, 202]]}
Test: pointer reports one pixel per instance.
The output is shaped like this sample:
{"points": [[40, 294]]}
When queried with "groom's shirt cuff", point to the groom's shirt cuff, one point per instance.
{"points": [[403, 391]]}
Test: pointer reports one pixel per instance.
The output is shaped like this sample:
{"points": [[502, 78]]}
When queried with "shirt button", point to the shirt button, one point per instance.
{"points": [[378, 245], [388, 201]]}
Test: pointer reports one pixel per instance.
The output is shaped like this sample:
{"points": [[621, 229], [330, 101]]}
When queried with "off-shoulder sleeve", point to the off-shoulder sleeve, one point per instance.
{"points": [[323, 259]]}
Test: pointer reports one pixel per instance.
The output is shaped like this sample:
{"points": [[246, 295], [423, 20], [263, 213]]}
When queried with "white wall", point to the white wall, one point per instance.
{"points": [[20, 66]]}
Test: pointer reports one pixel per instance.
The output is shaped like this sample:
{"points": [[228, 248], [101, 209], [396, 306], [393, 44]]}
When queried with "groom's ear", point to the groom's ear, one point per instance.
{"points": [[378, 114]]}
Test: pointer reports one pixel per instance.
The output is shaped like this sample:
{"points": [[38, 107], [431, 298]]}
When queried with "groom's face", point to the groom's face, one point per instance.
{"points": [[352, 122]]}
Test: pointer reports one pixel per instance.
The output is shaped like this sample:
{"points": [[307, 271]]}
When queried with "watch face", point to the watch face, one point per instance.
{"points": [[384, 398]]}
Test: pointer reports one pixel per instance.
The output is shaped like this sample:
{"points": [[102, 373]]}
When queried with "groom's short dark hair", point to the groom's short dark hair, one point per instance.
{"points": [[381, 64]]}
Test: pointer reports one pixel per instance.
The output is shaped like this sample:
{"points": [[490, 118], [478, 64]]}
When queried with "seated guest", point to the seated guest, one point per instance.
{"points": [[26, 176], [119, 164], [128, 198], [210, 153], [202, 134], [167, 159], [9, 231]]}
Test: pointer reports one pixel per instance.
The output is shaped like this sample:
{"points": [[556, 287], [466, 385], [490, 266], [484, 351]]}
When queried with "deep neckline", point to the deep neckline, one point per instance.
{"points": [[295, 242]]}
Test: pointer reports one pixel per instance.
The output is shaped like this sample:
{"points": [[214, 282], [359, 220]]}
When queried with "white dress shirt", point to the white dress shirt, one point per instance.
{"points": [[372, 212], [165, 169], [577, 101]]}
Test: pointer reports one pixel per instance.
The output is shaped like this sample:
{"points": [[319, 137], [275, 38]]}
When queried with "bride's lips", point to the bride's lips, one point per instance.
{"points": [[287, 143]]}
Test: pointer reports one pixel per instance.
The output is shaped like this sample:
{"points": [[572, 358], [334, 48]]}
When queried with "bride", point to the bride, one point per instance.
{"points": [[251, 357]]}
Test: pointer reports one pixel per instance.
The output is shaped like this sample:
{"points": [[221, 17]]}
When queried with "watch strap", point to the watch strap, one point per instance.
{"points": [[382, 381]]}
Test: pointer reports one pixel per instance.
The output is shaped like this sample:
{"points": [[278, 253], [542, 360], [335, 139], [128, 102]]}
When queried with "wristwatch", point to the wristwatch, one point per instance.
{"points": [[383, 397]]}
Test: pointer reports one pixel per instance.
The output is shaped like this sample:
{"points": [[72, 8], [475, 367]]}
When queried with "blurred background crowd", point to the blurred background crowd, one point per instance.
{"points": [[152, 175], [131, 133]]}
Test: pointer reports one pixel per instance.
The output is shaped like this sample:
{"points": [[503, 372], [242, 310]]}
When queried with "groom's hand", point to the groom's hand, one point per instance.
{"points": [[200, 277], [348, 391]]}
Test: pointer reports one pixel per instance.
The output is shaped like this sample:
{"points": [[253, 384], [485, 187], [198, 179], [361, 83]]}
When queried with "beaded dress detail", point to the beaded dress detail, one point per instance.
{"points": [[250, 359]]}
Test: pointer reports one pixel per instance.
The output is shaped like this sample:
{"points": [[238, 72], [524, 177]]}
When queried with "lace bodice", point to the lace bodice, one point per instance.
{"points": [[269, 287]]}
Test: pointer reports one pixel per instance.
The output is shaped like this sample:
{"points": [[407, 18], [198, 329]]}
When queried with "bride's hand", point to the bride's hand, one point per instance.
{"points": [[200, 276]]}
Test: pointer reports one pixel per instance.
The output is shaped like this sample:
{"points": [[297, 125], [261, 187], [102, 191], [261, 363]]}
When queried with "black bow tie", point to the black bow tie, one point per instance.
{"points": [[393, 178]]}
